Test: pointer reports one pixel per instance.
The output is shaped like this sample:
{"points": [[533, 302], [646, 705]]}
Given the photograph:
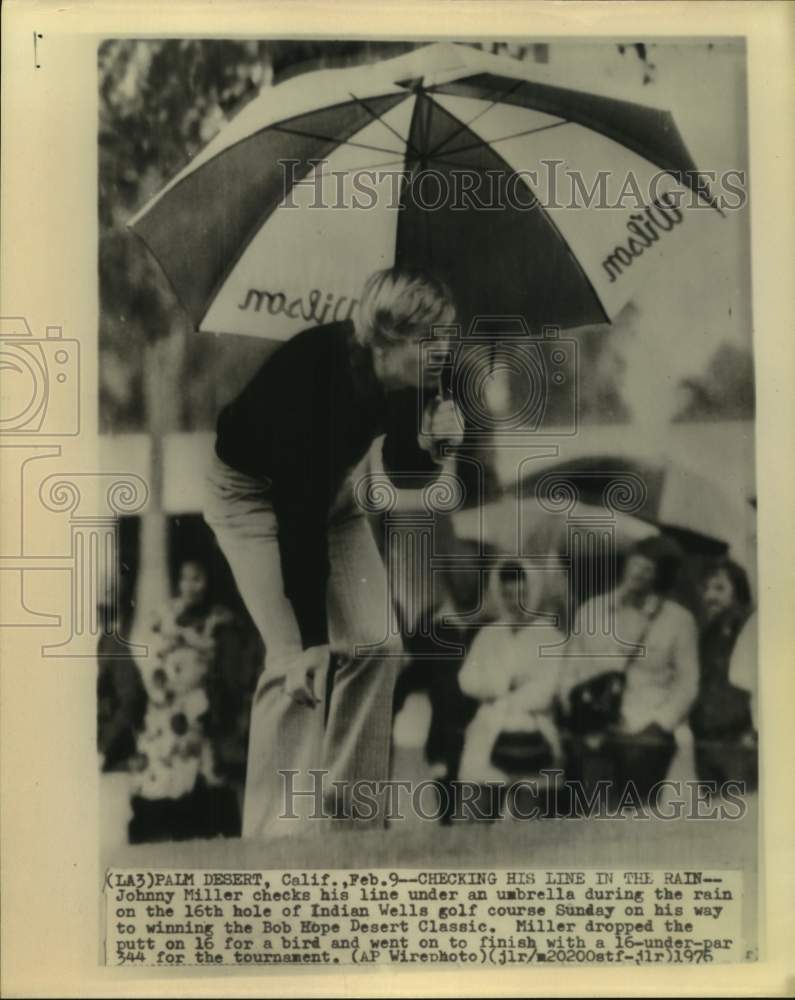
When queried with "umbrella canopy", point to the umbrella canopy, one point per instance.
{"points": [[678, 500], [448, 160], [510, 526]]}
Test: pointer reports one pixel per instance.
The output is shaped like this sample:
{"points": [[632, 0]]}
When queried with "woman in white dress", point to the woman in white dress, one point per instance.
{"points": [[512, 669]]}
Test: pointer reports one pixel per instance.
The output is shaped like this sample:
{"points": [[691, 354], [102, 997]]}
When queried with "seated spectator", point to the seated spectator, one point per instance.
{"points": [[190, 618], [432, 672], [743, 671], [721, 720], [634, 633], [513, 733]]}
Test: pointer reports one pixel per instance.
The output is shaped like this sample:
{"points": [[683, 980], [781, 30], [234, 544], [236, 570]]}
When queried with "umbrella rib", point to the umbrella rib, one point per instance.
{"points": [[457, 165], [333, 139], [505, 138], [374, 166], [553, 225], [376, 117], [465, 125], [425, 126], [188, 170]]}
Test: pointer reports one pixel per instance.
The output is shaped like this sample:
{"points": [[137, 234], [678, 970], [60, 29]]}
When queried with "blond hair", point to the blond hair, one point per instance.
{"points": [[396, 305]]}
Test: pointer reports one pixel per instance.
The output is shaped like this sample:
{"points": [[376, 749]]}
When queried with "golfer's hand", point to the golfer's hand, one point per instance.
{"points": [[299, 681], [441, 424]]}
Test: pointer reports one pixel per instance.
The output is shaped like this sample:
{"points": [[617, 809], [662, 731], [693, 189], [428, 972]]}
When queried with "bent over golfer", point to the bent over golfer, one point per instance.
{"points": [[281, 503]]}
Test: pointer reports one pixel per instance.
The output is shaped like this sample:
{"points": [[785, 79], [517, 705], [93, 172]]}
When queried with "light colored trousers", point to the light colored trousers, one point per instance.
{"points": [[354, 741]]}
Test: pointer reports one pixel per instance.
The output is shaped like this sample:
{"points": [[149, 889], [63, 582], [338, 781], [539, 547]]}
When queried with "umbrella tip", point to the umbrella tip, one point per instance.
{"points": [[412, 83]]}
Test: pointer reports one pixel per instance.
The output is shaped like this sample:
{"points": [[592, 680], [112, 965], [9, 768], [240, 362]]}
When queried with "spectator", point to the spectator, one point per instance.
{"points": [[743, 671], [721, 720], [177, 792], [513, 732], [651, 642], [432, 673], [191, 618]]}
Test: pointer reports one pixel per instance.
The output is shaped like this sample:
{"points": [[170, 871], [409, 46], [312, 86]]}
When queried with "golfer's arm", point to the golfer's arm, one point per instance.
{"points": [[303, 548], [301, 488], [403, 457]]}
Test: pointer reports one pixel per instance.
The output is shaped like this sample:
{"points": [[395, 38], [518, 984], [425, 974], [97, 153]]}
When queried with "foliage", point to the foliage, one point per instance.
{"points": [[160, 102], [725, 390]]}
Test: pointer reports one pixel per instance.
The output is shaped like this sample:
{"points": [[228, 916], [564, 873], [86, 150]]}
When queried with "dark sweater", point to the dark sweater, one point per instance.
{"points": [[304, 420]]}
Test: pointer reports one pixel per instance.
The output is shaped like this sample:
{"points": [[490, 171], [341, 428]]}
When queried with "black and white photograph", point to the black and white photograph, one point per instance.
{"points": [[422, 613], [440, 357]]}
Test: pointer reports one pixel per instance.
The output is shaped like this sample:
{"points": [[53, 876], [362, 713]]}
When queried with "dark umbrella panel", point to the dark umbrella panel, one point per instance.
{"points": [[678, 500]]}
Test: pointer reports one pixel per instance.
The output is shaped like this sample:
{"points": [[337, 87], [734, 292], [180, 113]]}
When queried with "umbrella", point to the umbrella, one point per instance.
{"points": [[446, 159], [518, 527], [680, 501], [511, 526]]}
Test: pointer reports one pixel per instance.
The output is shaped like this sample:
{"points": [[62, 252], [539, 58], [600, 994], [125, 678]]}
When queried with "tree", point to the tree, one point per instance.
{"points": [[725, 390]]}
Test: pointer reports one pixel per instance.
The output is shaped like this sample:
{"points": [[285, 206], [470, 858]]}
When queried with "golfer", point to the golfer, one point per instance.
{"points": [[281, 503]]}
